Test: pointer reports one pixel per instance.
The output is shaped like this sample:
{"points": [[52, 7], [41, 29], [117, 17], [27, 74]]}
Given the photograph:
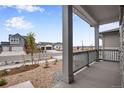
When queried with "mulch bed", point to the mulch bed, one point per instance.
{"points": [[40, 77], [21, 69]]}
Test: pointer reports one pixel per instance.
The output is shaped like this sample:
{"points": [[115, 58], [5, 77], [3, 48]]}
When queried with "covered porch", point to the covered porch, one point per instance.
{"points": [[102, 66], [103, 74]]}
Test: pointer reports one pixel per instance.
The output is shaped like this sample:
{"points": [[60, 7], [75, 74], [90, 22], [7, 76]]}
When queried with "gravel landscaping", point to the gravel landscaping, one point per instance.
{"points": [[40, 77]]}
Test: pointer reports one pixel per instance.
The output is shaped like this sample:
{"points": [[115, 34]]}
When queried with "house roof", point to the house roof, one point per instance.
{"points": [[58, 43], [5, 43], [17, 35], [110, 31], [48, 43], [45, 43]]}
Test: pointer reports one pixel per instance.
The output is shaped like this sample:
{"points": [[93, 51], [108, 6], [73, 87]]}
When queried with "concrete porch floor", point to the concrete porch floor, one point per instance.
{"points": [[101, 74]]}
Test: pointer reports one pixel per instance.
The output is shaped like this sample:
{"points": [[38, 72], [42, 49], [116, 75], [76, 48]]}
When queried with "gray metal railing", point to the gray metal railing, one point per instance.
{"points": [[109, 55], [82, 59]]}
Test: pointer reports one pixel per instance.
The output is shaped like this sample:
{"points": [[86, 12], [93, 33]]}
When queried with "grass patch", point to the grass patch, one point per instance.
{"points": [[3, 82], [3, 73]]}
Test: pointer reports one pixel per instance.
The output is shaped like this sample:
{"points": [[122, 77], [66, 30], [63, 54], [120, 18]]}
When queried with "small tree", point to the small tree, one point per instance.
{"points": [[31, 44]]}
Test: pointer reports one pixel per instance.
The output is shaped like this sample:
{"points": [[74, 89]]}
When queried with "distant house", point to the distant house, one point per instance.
{"points": [[110, 39], [58, 46], [45, 45], [16, 43], [49, 45], [0, 48], [5, 46]]}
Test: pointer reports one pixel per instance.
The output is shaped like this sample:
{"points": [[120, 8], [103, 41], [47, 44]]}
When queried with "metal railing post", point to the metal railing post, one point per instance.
{"points": [[88, 59], [97, 55]]}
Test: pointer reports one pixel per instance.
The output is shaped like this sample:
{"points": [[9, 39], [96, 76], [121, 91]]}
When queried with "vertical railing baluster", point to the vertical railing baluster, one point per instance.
{"points": [[88, 59], [117, 55], [114, 55], [110, 55]]}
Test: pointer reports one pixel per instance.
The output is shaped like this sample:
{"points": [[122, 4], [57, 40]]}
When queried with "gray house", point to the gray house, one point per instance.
{"points": [[58, 46], [16, 43], [110, 39], [49, 46], [45, 45], [5, 46]]}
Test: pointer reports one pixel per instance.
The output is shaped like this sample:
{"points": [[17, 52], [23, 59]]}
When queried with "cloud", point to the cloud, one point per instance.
{"points": [[18, 23], [28, 8], [8, 29]]}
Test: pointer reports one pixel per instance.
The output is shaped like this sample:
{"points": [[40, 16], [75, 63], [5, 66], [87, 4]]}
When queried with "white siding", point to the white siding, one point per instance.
{"points": [[111, 41], [17, 48]]}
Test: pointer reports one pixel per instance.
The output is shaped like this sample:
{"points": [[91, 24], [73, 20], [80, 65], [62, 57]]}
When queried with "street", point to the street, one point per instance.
{"points": [[22, 58]]}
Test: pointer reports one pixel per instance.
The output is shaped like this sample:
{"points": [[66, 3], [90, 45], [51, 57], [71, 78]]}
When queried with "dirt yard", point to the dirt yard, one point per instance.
{"points": [[40, 77]]}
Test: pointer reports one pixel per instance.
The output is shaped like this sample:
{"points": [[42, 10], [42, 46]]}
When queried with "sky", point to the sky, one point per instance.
{"points": [[46, 22]]}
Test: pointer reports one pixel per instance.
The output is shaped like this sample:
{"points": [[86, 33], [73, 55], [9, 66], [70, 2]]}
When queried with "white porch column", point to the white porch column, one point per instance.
{"points": [[96, 37], [97, 41], [68, 44]]}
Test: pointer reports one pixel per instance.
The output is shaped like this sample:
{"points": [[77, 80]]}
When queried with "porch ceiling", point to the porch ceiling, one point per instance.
{"points": [[97, 14]]}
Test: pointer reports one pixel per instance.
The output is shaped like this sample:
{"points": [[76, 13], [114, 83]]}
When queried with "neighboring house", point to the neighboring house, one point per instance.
{"points": [[49, 45], [0, 48], [5, 46], [58, 46], [45, 46], [16, 43], [110, 39]]}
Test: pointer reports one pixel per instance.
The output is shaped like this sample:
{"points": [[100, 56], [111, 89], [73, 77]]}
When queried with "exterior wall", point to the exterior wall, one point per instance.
{"points": [[58, 47], [14, 40], [16, 43], [122, 45], [122, 54], [111, 41], [17, 49], [48, 47], [5, 48], [0, 49], [17, 40]]}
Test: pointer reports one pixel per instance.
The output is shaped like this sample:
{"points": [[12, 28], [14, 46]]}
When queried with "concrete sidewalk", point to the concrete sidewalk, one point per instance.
{"points": [[18, 65], [26, 84], [7, 53]]}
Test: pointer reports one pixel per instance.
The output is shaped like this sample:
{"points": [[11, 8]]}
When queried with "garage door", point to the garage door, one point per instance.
{"points": [[5, 48], [17, 48], [48, 48]]}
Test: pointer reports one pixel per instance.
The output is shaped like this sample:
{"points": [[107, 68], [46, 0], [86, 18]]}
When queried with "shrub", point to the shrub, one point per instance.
{"points": [[2, 82], [46, 65], [3, 73], [55, 62], [50, 56]]}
